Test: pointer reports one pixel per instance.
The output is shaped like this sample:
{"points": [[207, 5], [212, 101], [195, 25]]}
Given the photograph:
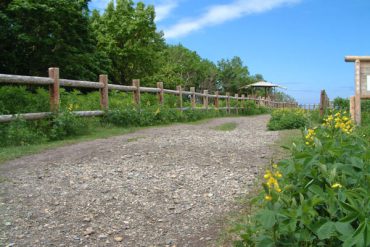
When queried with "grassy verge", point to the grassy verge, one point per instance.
{"points": [[280, 151], [9, 153], [226, 127]]}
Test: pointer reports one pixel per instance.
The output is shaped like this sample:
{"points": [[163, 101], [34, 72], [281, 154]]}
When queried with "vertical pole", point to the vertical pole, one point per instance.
{"points": [[322, 103], [216, 100], [352, 107], [237, 101], [136, 95], [54, 90], [192, 90], [180, 96], [160, 93], [205, 99], [228, 102], [104, 101], [358, 92], [243, 102]]}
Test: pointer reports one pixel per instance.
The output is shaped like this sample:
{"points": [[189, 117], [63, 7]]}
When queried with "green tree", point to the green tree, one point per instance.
{"points": [[127, 33], [181, 66], [43, 33], [232, 74]]}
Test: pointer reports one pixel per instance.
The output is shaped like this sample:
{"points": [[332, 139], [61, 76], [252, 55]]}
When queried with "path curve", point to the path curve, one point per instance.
{"points": [[161, 186]]}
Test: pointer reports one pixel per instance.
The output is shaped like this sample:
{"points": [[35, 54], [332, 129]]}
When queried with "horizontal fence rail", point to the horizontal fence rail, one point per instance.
{"points": [[54, 83]]}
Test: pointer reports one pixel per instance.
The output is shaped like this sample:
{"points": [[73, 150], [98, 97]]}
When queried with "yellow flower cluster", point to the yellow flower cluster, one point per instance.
{"points": [[271, 178], [339, 121], [310, 137], [336, 186], [72, 107]]}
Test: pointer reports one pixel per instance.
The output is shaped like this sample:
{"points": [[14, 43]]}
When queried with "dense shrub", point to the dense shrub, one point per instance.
{"points": [[20, 133], [287, 119], [341, 104], [15, 100], [318, 197], [66, 124]]}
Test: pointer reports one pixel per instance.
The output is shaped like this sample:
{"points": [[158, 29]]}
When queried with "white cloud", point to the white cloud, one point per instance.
{"points": [[163, 10], [218, 14]]}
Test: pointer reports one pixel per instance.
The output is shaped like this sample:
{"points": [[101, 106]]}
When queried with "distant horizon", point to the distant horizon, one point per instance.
{"points": [[299, 44]]}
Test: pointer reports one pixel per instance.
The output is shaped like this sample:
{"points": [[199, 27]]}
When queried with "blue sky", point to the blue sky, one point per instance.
{"points": [[299, 44]]}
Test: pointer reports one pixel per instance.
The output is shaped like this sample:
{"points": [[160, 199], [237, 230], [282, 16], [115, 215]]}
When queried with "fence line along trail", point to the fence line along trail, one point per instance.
{"points": [[161, 186]]}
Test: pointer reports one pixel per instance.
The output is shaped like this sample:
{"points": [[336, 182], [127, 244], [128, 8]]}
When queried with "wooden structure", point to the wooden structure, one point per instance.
{"points": [[54, 83], [362, 84], [324, 103], [267, 86]]}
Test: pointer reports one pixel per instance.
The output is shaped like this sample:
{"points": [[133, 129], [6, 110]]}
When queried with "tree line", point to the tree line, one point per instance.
{"points": [[122, 41]]}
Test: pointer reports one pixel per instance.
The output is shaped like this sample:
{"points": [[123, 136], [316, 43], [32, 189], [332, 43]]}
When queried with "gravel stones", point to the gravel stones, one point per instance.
{"points": [[171, 187]]}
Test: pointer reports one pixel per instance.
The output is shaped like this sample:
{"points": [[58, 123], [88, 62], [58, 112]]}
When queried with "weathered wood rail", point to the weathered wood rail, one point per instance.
{"points": [[54, 83]]}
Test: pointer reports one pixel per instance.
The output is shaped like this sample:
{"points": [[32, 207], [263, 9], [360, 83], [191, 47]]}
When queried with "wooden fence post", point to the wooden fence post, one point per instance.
{"points": [[192, 90], [322, 103], [243, 102], [136, 94], [160, 93], [236, 106], [180, 96], [352, 108], [216, 99], [205, 99], [54, 90], [358, 93], [104, 101], [228, 102]]}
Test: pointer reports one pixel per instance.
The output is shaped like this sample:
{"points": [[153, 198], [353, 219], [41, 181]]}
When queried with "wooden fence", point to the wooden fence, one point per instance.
{"points": [[54, 83], [322, 107]]}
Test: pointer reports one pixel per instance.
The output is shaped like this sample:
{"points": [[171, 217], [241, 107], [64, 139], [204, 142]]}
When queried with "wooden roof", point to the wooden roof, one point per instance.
{"points": [[354, 58]]}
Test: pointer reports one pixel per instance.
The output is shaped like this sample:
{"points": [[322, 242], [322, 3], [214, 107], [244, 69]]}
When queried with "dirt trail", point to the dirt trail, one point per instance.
{"points": [[157, 187]]}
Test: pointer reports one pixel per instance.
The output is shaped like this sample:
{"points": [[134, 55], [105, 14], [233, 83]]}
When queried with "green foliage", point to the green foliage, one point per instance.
{"points": [[62, 38], [181, 66], [233, 74], [324, 198], [341, 104], [127, 33], [287, 119], [66, 124], [15, 100], [19, 133], [226, 127]]}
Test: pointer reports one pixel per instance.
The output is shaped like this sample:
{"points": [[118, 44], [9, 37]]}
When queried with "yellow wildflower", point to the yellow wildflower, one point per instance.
{"points": [[268, 198], [336, 185]]}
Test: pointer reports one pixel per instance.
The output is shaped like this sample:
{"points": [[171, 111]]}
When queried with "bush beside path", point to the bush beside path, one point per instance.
{"points": [[159, 186]]}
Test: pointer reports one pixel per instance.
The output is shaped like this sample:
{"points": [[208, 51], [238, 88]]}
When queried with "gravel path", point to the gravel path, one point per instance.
{"points": [[167, 186]]}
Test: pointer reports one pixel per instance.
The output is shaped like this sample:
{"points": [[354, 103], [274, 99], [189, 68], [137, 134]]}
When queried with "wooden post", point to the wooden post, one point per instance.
{"points": [[192, 90], [228, 102], [136, 94], [352, 107], [358, 93], [160, 94], [216, 100], [180, 96], [104, 101], [205, 99], [243, 102], [322, 103], [54, 90], [236, 106]]}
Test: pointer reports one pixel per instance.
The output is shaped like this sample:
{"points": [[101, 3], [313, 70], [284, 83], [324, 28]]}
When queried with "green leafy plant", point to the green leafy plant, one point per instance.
{"points": [[66, 124], [318, 197], [287, 119], [19, 133]]}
